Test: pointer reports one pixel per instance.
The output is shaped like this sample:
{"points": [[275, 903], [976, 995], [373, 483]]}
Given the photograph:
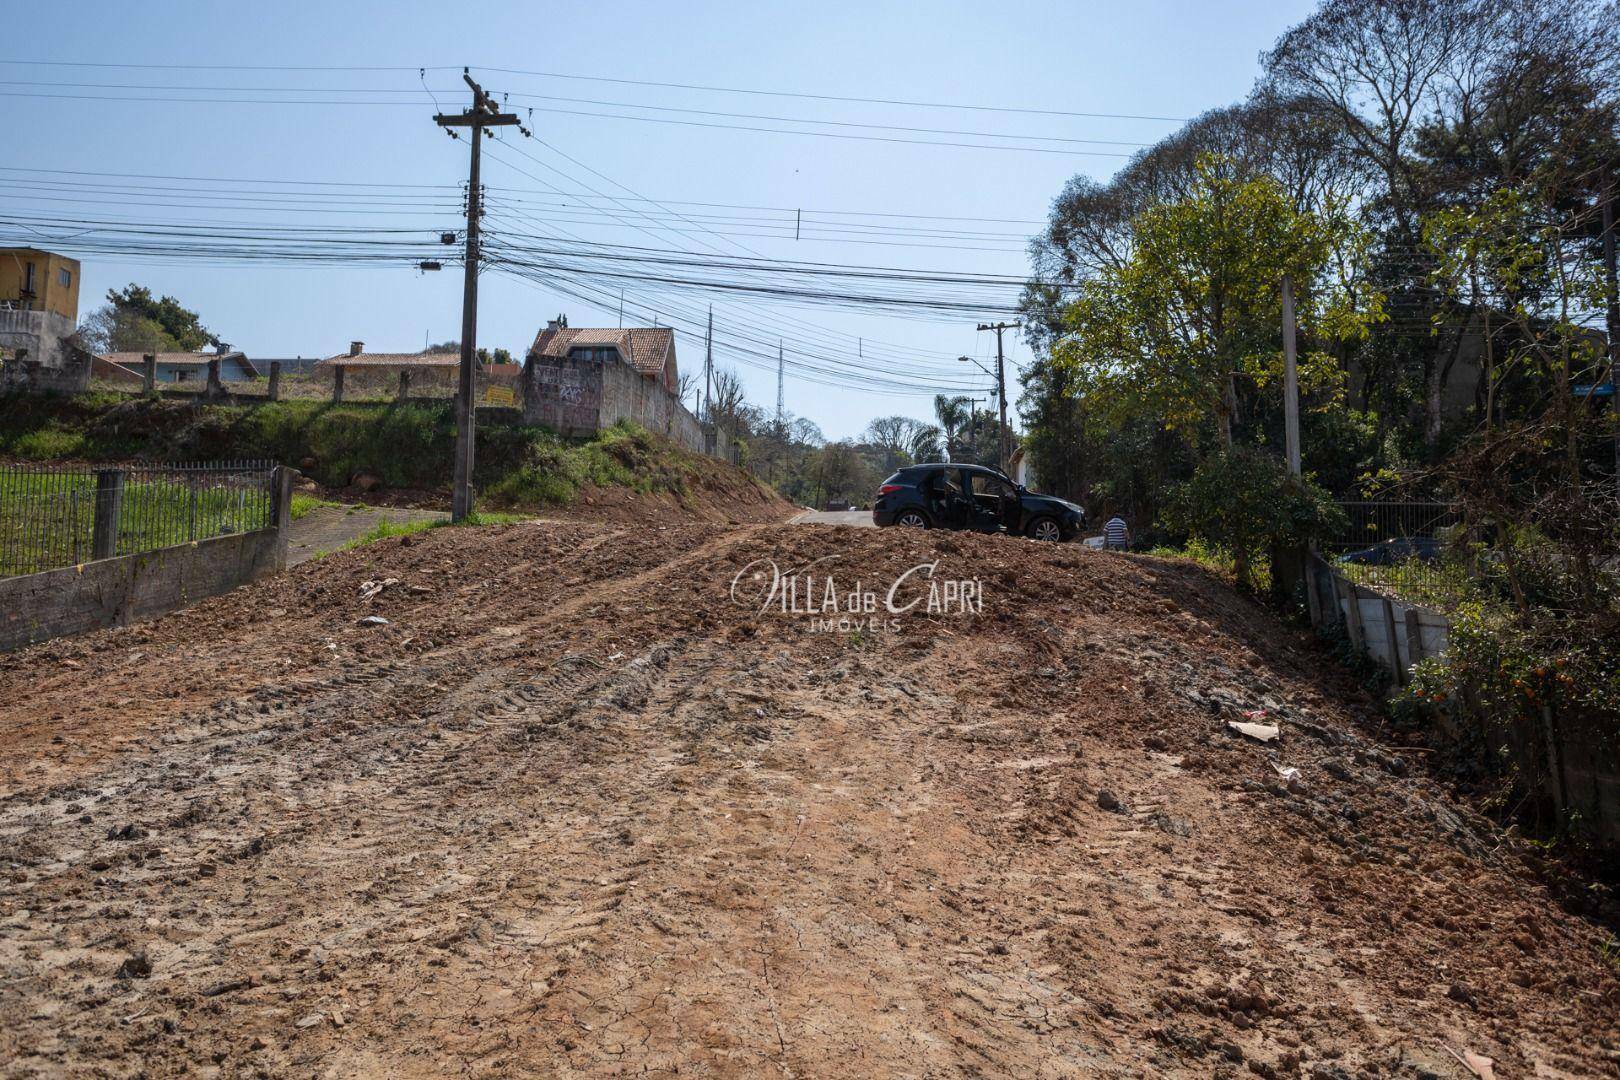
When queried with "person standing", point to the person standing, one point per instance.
{"points": [[1116, 534]]}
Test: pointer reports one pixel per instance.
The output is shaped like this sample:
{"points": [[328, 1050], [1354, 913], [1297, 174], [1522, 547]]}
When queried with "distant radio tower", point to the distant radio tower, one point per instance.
{"points": [[778, 385]]}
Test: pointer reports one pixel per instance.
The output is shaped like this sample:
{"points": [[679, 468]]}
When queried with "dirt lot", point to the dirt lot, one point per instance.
{"points": [[573, 811]]}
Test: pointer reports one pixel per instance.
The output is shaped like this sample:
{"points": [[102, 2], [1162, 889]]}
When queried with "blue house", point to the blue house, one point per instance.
{"points": [[183, 367]]}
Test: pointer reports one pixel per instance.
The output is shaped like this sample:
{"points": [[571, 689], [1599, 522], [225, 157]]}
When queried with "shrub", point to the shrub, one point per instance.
{"points": [[44, 444], [1243, 500]]}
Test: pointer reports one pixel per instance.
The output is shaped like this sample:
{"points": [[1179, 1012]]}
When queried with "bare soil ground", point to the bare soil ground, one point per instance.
{"points": [[572, 811]]}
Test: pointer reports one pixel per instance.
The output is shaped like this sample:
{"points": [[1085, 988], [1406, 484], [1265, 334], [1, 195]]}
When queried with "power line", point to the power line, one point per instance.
{"points": [[579, 101], [148, 99], [607, 79]]}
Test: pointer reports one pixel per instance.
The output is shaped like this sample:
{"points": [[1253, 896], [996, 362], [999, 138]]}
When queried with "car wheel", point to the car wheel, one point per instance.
{"points": [[1045, 529], [912, 519]]}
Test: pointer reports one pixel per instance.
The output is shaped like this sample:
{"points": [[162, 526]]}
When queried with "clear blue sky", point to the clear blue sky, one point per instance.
{"points": [[1154, 58]]}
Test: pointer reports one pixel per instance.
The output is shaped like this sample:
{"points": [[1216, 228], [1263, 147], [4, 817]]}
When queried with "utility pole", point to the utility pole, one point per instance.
{"points": [[1613, 324], [1001, 389], [1290, 377], [779, 388], [708, 369], [483, 114]]}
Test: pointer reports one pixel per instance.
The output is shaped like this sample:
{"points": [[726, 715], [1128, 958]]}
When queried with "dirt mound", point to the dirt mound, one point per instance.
{"points": [[572, 798]]}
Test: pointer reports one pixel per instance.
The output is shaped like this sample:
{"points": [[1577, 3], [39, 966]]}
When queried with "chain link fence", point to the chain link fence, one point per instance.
{"points": [[55, 516]]}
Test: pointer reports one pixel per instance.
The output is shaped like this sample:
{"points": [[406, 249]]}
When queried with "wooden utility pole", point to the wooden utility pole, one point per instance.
{"points": [[1290, 377], [1001, 389], [483, 114]]}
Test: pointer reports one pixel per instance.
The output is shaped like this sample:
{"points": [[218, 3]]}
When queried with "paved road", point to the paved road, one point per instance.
{"points": [[860, 519], [327, 528]]}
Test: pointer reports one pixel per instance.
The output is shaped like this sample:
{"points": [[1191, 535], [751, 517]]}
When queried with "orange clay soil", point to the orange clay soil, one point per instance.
{"points": [[574, 811]]}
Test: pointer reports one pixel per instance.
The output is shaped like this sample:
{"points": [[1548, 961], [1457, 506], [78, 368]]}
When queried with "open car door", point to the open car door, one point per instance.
{"points": [[948, 503], [995, 503]]}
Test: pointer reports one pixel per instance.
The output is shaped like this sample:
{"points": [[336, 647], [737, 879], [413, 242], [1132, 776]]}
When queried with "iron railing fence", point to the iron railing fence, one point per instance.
{"points": [[54, 516], [1390, 542]]}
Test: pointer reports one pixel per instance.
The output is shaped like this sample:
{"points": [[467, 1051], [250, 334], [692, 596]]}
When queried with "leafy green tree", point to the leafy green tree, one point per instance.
{"points": [[1194, 313], [133, 320], [1242, 500]]}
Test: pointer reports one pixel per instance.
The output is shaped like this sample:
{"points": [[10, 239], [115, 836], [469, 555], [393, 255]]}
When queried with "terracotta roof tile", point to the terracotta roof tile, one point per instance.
{"points": [[371, 359], [645, 348]]}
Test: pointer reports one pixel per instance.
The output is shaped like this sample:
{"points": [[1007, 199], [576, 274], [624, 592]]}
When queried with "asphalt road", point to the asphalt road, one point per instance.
{"points": [[860, 519]]}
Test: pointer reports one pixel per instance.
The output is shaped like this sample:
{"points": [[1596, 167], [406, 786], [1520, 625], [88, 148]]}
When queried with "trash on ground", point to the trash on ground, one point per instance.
{"points": [[1262, 732], [1478, 1064], [369, 589]]}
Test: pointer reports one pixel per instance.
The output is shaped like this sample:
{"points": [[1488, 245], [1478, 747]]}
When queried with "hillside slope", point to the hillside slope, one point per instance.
{"points": [[572, 809], [398, 452]]}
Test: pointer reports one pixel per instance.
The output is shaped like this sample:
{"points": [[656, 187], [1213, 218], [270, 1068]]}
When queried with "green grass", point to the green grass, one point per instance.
{"points": [[47, 519], [48, 443], [1218, 560], [303, 503], [385, 529], [1442, 585], [552, 471]]}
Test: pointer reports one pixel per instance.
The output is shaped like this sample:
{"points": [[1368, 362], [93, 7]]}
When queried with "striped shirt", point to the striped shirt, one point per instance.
{"points": [[1114, 532]]}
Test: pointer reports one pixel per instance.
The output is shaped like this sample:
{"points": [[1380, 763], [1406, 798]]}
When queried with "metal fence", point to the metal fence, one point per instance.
{"points": [[1388, 542], [53, 516]]}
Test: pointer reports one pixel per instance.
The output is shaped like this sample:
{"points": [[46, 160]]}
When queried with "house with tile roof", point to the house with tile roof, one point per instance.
{"points": [[177, 367], [430, 374], [579, 380], [649, 350]]}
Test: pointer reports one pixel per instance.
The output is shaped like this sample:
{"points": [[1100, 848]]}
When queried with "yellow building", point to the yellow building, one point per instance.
{"points": [[34, 280]]}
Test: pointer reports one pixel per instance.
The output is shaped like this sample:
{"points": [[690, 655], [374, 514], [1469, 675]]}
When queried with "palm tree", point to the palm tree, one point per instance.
{"points": [[924, 444], [952, 414]]}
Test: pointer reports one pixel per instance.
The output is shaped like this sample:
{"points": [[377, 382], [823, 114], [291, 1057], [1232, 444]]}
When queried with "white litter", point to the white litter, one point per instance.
{"points": [[1261, 732]]}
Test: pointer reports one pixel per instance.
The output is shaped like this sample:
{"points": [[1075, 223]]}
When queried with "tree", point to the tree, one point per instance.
{"points": [[1241, 499], [1195, 312], [727, 402], [893, 435], [133, 320], [924, 443], [952, 414], [485, 356], [688, 385]]}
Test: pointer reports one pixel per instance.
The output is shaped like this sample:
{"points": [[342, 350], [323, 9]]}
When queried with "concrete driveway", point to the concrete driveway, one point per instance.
{"points": [[860, 519], [325, 529]]}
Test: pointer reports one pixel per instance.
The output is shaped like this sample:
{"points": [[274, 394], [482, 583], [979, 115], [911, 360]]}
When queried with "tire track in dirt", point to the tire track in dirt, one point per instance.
{"points": [[570, 812]]}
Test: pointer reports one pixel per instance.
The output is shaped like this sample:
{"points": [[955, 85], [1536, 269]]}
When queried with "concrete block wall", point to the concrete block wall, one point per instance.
{"points": [[115, 592], [49, 362], [578, 397], [1570, 758]]}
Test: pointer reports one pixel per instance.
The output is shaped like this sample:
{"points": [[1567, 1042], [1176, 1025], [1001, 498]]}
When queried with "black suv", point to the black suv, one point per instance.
{"points": [[944, 496]]}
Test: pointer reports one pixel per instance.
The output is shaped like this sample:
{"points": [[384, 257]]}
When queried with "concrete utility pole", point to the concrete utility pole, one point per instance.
{"points": [[708, 368], [1290, 377], [1001, 389], [483, 114]]}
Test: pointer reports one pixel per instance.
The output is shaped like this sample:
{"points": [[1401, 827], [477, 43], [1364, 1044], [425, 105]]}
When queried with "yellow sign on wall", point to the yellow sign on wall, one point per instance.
{"points": [[500, 395]]}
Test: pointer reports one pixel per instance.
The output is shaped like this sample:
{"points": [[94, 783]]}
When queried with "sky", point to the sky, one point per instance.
{"points": [[585, 175]]}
